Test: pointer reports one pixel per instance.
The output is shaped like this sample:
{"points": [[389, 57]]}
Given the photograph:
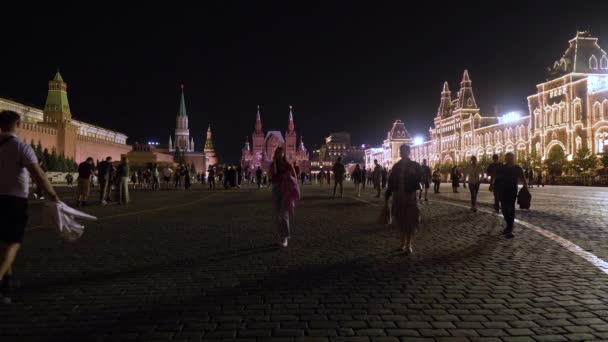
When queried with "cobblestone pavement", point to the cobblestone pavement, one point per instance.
{"points": [[192, 266]]}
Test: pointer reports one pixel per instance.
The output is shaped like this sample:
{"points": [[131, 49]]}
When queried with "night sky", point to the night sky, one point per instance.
{"points": [[342, 67]]}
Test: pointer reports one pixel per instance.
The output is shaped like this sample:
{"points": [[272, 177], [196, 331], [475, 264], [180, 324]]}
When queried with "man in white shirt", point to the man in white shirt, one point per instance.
{"points": [[167, 173], [17, 162], [473, 174]]}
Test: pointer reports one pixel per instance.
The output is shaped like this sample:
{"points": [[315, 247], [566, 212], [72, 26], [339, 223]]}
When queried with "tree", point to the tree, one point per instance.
{"points": [[584, 160], [178, 156], [38, 150], [605, 159], [46, 159], [53, 161], [61, 165]]}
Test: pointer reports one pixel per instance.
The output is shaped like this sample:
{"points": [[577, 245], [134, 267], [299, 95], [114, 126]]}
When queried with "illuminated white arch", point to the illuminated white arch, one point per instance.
{"points": [[597, 111], [604, 62], [553, 143], [592, 62]]}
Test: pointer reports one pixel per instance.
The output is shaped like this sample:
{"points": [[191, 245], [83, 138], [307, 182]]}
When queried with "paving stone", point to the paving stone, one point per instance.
{"points": [[209, 271]]}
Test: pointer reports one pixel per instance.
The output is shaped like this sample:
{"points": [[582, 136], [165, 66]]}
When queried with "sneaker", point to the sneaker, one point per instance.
{"points": [[509, 235], [285, 242], [426, 199], [104, 202], [41, 197]]}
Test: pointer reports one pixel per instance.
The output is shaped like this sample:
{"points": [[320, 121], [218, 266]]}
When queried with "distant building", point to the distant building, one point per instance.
{"points": [[264, 146], [567, 112], [55, 128], [337, 144], [388, 154], [180, 145]]}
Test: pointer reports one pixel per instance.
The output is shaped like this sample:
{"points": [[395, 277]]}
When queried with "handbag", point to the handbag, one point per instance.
{"points": [[385, 215], [524, 198]]}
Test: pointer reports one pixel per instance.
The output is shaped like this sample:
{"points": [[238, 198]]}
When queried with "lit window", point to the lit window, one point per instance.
{"points": [[604, 62], [593, 62]]}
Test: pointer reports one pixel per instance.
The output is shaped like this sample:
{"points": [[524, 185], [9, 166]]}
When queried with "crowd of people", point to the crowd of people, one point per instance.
{"points": [[404, 185]]}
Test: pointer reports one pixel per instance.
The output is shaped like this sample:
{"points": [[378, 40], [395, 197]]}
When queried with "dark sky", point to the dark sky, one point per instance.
{"points": [[342, 66]]}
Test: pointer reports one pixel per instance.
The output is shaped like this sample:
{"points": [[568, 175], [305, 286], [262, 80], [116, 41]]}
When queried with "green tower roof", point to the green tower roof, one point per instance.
{"points": [[182, 104], [58, 77], [57, 105]]}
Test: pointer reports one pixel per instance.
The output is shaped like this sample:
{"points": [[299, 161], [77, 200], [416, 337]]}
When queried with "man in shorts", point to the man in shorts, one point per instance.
{"points": [[17, 163]]}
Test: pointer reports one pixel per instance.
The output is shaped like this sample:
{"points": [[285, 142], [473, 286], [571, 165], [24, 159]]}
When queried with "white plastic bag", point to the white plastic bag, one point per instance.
{"points": [[64, 221]]}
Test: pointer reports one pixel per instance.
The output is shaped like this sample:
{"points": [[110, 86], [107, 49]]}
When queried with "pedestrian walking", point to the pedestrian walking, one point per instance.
{"points": [[455, 174], [339, 171], [377, 177], [357, 177], [531, 178], [211, 177], [187, 178], [507, 178], [258, 177], [167, 173], [321, 177], [69, 179], [384, 177], [18, 163], [491, 172], [436, 181], [122, 175], [155, 177], [403, 183], [363, 177], [472, 175], [85, 172], [539, 180], [104, 176], [285, 193], [425, 180]]}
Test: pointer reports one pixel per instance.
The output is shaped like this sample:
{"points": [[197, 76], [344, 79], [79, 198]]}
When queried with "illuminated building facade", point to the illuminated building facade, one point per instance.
{"points": [[567, 112], [262, 151], [56, 129], [337, 144]]}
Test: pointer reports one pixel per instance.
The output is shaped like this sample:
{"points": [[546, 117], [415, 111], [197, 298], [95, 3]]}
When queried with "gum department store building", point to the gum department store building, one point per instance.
{"points": [[567, 112]]}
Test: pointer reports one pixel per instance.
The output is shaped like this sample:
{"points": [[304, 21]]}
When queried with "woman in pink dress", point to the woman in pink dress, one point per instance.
{"points": [[285, 193]]}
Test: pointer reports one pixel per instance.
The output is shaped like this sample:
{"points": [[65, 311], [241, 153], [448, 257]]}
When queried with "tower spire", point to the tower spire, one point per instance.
{"points": [[258, 122], [209, 141], [182, 103], [291, 125], [446, 101], [466, 99]]}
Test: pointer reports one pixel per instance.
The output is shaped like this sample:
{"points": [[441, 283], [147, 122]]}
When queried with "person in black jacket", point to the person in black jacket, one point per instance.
{"points": [[104, 176], [507, 178], [357, 177]]}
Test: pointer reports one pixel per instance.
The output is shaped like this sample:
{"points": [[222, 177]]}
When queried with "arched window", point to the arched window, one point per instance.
{"points": [[597, 114], [601, 141], [552, 117], [538, 151], [579, 143], [562, 113], [578, 111], [604, 62], [593, 62], [605, 109]]}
